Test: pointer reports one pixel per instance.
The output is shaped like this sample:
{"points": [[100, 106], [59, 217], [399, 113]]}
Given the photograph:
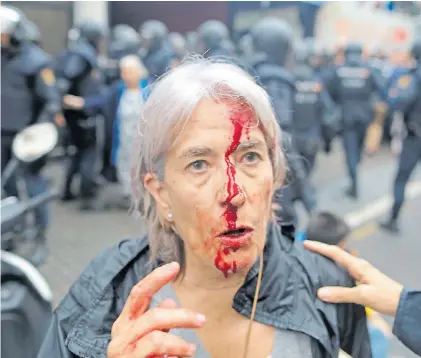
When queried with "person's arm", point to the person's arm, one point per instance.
{"points": [[91, 103], [376, 291], [407, 325], [47, 91]]}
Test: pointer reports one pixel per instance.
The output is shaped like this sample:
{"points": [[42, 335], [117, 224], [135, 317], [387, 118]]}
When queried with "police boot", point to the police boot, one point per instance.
{"points": [[390, 225], [67, 194], [352, 191], [41, 250], [91, 204]]}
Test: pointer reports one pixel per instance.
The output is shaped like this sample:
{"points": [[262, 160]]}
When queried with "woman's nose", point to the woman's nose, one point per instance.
{"points": [[231, 192]]}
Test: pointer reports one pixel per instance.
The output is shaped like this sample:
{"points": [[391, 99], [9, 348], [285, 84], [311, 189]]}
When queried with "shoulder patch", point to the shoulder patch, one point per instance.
{"points": [[48, 77], [404, 81]]}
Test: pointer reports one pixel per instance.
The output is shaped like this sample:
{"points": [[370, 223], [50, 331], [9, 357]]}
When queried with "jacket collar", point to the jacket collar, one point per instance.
{"points": [[286, 300]]}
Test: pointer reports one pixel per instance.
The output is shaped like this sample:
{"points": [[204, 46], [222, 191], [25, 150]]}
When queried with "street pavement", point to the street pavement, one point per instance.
{"points": [[75, 237]]}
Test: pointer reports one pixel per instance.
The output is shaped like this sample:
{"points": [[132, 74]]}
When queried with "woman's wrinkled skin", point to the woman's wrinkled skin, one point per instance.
{"points": [[195, 188]]}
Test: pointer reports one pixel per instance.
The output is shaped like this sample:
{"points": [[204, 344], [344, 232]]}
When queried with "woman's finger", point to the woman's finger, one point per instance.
{"points": [[160, 319], [158, 343], [141, 293], [168, 304]]}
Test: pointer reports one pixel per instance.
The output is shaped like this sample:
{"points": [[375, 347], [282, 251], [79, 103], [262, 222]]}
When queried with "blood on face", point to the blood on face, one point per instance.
{"points": [[241, 117]]}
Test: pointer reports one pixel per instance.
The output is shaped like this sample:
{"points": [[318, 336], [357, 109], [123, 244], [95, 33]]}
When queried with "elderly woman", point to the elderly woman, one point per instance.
{"points": [[122, 104], [214, 277]]}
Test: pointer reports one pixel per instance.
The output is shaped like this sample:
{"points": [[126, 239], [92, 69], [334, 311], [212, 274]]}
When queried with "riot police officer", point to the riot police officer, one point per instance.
{"points": [[28, 95], [124, 41], [159, 53], [405, 96], [179, 44], [272, 41], [315, 115], [354, 86], [214, 39], [192, 38], [78, 73]]}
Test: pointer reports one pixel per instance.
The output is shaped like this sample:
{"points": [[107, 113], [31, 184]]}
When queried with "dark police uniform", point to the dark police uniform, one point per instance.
{"points": [[353, 86], [78, 74], [28, 95], [272, 39], [405, 96], [314, 114], [159, 53]]}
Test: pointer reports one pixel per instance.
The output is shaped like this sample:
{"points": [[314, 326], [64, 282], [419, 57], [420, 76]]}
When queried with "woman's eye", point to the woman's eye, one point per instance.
{"points": [[198, 165], [251, 157]]}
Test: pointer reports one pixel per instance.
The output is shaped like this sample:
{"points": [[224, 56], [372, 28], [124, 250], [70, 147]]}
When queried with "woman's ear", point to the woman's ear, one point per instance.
{"points": [[155, 187]]}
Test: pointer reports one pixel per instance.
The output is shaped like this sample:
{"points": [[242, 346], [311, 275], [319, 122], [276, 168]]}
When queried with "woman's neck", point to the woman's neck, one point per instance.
{"points": [[133, 86], [206, 288]]}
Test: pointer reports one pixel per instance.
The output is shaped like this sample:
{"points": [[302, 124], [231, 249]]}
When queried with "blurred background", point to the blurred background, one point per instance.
{"points": [[385, 30]]}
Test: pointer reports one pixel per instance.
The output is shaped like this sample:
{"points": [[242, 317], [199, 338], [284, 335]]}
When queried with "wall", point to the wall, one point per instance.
{"points": [[181, 16], [91, 10]]}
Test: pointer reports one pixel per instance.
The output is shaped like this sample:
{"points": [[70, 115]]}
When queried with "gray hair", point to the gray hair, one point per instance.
{"points": [[172, 100]]}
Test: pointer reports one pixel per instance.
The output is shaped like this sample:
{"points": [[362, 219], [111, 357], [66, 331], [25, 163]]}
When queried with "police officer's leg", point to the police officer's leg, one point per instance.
{"points": [[72, 169], [361, 130], [410, 155], [36, 184], [312, 148], [9, 186], [350, 144], [89, 178]]}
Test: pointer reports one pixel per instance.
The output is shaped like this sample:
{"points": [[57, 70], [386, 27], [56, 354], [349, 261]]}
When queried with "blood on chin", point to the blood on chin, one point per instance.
{"points": [[230, 261]]}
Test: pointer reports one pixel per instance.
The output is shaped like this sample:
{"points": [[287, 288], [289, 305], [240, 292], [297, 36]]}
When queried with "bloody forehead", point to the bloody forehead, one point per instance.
{"points": [[241, 112]]}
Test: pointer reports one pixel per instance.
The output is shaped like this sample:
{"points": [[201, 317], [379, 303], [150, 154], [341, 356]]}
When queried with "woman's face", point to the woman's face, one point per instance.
{"points": [[218, 186], [131, 75]]}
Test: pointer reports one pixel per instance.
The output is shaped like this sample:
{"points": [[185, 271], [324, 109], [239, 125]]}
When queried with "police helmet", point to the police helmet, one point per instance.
{"points": [[273, 37], [178, 43], [153, 33], [212, 33], [92, 32], [12, 22], [124, 39], [354, 48]]}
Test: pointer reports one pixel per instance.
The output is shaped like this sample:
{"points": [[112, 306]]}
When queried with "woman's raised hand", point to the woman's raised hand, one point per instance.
{"points": [[143, 332]]}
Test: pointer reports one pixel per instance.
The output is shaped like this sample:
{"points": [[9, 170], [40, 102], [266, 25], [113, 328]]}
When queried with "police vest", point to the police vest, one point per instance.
{"points": [[354, 83], [306, 107]]}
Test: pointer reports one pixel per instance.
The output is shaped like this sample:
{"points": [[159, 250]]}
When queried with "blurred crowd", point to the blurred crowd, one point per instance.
{"points": [[94, 90]]}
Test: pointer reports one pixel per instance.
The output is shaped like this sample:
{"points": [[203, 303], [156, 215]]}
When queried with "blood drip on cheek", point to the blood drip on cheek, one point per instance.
{"points": [[240, 118]]}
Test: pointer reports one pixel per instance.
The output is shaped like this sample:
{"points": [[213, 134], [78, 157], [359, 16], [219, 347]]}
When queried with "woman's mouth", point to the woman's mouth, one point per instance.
{"points": [[236, 238]]}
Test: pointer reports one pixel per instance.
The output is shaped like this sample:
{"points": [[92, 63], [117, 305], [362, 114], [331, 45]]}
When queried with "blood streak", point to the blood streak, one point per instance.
{"points": [[239, 118], [139, 307]]}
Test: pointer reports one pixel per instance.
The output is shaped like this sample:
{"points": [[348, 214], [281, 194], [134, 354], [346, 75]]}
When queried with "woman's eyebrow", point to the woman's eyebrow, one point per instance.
{"points": [[197, 151], [249, 144], [201, 151]]}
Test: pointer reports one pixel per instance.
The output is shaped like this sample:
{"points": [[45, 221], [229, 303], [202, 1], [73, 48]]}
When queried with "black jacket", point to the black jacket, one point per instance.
{"points": [[82, 322]]}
